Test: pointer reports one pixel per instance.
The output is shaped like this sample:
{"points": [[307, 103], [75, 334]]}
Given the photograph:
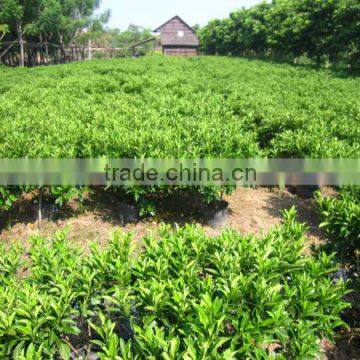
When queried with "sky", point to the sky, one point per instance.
{"points": [[153, 13]]}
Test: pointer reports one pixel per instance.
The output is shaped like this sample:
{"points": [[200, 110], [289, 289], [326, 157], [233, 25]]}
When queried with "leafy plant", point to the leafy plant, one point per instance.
{"points": [[342, 222], [124, 109], [182, 295]]}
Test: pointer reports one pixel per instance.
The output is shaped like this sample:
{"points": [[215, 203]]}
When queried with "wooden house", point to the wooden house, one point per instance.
{"points": [[177, 38]]}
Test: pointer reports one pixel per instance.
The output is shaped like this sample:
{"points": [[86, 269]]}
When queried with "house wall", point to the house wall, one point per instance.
{"points": [[169, 34], [180, 51]]}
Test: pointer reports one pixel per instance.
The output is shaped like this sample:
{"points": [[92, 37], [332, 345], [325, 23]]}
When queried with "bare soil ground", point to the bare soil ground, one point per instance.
{"points": [[249, 211]]}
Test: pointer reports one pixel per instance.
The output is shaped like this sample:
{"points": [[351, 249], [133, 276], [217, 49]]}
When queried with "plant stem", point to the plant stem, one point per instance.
{"points": [[40, 209]]}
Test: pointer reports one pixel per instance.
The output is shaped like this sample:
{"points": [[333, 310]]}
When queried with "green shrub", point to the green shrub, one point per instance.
{"points": [[8, 195], [161, 107], [341, 221], [183, 296]]}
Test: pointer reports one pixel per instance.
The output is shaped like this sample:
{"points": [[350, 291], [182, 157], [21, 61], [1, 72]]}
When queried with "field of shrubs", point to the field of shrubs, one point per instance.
{"points": [[182, 295], [160, 107], [175, 108]]}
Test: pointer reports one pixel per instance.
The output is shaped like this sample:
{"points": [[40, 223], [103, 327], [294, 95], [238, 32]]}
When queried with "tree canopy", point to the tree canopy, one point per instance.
{"points": [[53, 26], [3, 31], [323, 31], [57, 22]]}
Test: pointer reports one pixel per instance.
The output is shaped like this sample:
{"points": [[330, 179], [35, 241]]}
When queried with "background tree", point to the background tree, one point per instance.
{"points": [[57, 22], [95, 34], [323, 31], [298, 27], [196, 27], [347, 32], [4, 29], [132, 35], [209, 37], [12, 13]]}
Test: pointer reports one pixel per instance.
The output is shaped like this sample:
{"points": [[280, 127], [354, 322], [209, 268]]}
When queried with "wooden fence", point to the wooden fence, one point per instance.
{"points": [[45, 53], [39, 54]]}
